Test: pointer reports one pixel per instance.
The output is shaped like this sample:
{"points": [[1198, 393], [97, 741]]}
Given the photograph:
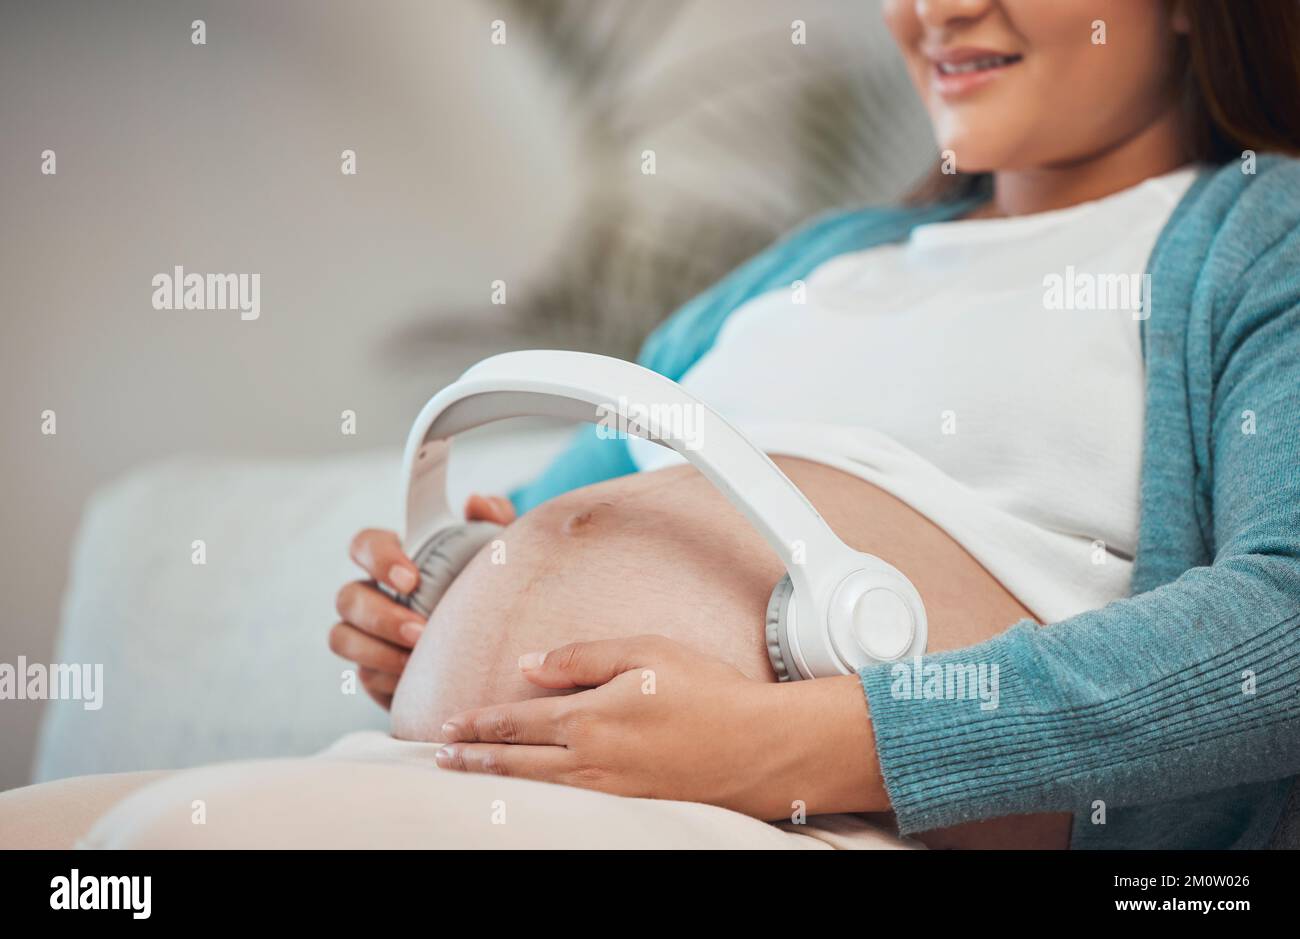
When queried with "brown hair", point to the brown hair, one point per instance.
{"points": [[1240, 66]]}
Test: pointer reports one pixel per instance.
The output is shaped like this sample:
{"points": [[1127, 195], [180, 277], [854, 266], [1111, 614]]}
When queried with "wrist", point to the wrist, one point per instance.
{"points": [[822, 750]]}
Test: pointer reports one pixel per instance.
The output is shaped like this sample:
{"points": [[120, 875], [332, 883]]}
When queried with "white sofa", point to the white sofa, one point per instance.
{"points": [[228, 659]]}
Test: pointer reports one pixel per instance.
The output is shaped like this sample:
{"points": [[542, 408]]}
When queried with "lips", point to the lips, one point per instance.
{"points": [[976, 65], [961, 70]]}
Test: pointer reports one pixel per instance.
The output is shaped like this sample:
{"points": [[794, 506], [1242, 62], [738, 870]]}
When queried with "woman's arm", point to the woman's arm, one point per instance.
{"points": [[1187, 689], [662, 720]]}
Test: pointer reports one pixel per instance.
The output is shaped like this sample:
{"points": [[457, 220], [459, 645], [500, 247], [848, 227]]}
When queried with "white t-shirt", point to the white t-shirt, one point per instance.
{"points": [[988, 372]]}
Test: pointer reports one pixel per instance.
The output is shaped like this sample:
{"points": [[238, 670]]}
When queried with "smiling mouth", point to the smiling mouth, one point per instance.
{"points": [[982, 64]]}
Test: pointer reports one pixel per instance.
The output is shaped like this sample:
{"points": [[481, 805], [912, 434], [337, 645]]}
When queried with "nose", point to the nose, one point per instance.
{"points": [[945, 14]]}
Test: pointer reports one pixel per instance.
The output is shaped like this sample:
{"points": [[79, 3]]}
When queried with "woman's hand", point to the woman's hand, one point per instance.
{"points": [[663, 721], [376, 632]]}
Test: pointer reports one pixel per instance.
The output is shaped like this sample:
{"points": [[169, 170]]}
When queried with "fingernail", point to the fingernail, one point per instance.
{"points": [[402, 578], [410, 631], [442, 757], [450, 731], [531, 660]]}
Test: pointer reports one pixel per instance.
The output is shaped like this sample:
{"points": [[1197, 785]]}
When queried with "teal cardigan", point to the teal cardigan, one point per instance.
{"points": [[1171, 718]]}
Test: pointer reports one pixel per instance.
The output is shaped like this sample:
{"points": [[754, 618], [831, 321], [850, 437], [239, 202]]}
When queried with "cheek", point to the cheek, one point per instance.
{"points": [[899, 16], [905, 28], [1095, 57], [1107, 77]]}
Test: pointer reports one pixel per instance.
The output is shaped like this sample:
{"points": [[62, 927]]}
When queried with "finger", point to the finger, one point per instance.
{"points": [[539, 721], [546, 764], [385, 701], [588, 664], [381, 556], [354, 645], [369, 609], [506, 510], [377, 682], [480, 508]]}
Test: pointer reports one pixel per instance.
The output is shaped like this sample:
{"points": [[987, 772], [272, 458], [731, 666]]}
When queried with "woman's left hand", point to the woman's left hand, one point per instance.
{"points": [[663, 721]]}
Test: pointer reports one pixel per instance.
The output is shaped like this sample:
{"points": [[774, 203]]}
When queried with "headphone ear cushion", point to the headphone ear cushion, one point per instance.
{"points": [[442, 558], [778, 649]]}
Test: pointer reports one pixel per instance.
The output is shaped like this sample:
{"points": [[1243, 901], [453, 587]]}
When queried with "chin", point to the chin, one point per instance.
{"points": [[980, 146], [972, 157]]}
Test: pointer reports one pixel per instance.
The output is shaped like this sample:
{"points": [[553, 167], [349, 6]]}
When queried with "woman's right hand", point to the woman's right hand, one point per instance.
{"points": [[375, 631]]}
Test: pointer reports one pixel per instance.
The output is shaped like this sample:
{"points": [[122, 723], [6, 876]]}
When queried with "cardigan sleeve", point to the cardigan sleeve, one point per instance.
{"points": [[1189, 688]]}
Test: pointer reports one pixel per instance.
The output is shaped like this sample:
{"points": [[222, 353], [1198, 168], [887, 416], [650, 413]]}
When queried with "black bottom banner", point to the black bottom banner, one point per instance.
{"points": [[371, 888]]}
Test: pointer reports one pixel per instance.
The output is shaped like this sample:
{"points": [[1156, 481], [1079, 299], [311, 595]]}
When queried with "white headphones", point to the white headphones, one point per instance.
{"points": [[835, 610]]}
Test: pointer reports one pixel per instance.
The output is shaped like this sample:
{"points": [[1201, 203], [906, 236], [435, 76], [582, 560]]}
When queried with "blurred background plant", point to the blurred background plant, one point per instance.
{"points": [[752, 133]]}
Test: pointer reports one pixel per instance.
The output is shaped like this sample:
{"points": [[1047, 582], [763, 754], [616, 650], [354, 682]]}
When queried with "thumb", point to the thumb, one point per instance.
{"points": [[589, 664]]}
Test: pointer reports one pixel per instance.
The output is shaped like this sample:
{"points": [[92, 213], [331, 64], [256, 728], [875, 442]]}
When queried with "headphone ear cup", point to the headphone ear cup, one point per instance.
{"points": [[778, 647], [442, 558]]}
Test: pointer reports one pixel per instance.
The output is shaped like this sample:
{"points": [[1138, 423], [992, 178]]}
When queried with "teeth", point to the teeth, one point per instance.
{"points": [[975, 65]]}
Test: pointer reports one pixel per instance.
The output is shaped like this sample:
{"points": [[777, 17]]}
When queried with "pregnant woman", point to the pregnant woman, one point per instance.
{"points": [[1060, 391]]}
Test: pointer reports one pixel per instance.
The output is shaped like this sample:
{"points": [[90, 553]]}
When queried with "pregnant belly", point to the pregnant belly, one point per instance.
{"points": [[663, 552]]}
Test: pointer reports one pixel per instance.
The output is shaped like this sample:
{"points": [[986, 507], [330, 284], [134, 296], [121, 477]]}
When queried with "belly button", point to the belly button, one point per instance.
{"points": [[576, 524], [579, 522]]}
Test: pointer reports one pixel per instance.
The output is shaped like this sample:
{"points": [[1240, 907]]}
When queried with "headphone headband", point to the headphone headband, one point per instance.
{"points": [[581, 386]]}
